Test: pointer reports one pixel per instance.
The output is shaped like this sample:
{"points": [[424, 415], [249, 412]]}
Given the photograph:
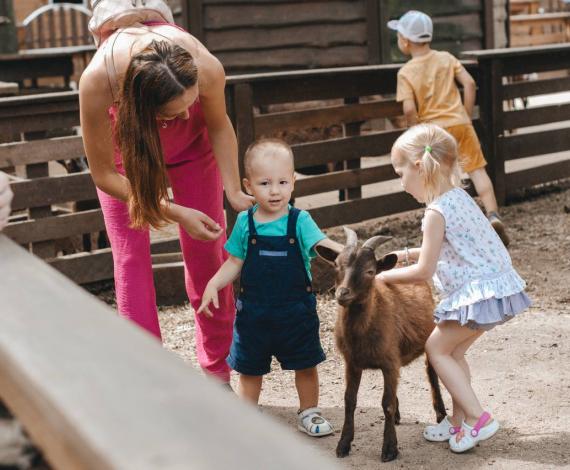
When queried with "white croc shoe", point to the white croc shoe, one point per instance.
{"points": [[312, 423], [441, 432], [470, 436]]}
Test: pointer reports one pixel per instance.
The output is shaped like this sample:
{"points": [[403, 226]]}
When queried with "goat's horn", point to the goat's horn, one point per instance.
{"points": [[351, 237], [374, 242]]}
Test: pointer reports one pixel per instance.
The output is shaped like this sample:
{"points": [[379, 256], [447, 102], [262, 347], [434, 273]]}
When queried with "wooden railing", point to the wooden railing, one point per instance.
{"points": [[96, 392], [347, 97]]}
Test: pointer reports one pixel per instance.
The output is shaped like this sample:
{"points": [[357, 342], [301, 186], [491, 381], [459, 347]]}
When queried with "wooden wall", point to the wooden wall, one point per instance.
{"points": [[271, 35]]}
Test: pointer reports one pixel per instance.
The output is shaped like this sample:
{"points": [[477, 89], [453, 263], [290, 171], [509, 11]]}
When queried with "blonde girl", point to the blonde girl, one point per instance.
{"points": [[471, 269]]}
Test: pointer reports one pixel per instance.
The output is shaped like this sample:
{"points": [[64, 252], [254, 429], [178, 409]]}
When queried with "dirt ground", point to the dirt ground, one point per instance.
{"points": [[521, 369]]}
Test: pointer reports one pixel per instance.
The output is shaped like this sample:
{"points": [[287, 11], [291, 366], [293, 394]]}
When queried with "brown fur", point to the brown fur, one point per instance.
{"points": [[379, 326]]}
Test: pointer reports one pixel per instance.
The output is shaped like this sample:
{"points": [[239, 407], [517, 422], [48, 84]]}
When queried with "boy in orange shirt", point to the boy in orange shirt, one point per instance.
{"points": [[428, 92]]}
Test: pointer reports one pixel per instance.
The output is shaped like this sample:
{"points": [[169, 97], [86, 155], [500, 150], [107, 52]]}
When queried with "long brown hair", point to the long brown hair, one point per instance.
{"points": [[156, 75]]}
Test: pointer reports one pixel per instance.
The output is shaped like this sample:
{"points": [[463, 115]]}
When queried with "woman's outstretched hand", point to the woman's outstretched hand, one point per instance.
{"points": [[240, 201], [199, 226]]}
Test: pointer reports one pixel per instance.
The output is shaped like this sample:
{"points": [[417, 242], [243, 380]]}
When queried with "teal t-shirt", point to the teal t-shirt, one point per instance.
{"points": [[308, 234]]}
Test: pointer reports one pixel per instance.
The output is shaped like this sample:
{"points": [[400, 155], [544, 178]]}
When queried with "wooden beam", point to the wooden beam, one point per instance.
{"points": [[108, 395]]}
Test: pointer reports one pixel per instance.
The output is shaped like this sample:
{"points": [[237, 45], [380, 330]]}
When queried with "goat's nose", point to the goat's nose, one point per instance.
{"points": [[342, 292]]}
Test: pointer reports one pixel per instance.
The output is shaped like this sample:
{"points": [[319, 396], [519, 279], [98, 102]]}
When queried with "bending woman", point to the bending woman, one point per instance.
{"points": [[152, 108]]}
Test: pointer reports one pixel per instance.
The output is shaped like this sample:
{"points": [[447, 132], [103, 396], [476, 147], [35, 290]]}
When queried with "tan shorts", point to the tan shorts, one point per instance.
{"points": [[470, 154]]}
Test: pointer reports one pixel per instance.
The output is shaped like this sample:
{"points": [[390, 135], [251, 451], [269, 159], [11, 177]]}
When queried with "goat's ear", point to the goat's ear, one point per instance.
{"points": [[387, 262], [326, 253]]}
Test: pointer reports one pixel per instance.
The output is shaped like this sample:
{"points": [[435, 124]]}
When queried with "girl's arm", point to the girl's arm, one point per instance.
{"points": [[221, 132], [227, 273], [469, 90], [429, 254], [94, 101], [412, 256]]}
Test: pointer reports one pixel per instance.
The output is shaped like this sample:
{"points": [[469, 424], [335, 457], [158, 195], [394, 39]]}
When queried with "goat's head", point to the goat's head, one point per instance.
{"points": [[356, 267]]}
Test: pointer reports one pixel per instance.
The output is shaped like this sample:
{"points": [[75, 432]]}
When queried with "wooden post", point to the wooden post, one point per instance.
{"points": [[193, 12], [384, 33], [8, 34], [489, 23], [245, 130], [373, 28], [352, 129], [491, 111], [42, 249]]}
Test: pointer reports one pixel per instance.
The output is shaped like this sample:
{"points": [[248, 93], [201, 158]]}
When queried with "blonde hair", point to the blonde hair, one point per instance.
{"points": [[436, 150], [265, 148]]}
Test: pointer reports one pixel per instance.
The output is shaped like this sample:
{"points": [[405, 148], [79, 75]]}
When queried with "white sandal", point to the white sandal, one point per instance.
{"points": [[470, 436], [312, 423], [441, 432]]}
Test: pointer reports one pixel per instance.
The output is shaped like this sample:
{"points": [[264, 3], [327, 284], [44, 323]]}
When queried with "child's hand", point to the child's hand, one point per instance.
{"points": [[210, 295]]}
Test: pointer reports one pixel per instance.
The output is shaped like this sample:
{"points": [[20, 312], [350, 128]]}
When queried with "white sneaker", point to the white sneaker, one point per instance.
{"points": [[312, 423], [441, 432], [471, 435]]}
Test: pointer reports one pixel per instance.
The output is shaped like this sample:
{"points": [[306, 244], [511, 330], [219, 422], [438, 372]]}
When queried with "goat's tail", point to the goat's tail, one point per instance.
{"points": [[437, 400]]}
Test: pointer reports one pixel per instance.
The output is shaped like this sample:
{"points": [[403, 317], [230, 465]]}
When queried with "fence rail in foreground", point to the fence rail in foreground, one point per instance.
{"points": [[96, 392]]}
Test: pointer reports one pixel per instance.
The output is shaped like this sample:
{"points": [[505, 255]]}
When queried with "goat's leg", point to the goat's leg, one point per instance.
{"points": [[390, 405], [397, 415], [437, 400], [353, 376]]}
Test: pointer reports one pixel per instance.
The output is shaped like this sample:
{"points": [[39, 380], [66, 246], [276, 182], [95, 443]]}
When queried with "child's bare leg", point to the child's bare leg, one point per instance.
{"points": [[459, 355], [307, 383], [440, 345], [250, 387], [484, 188]]}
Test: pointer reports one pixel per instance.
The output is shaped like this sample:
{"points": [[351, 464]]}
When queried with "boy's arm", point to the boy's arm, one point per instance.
{"points": [[469, 90], [227, 273], [410, 112]]}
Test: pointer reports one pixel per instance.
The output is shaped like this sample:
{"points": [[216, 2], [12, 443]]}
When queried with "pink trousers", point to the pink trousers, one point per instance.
{"points": [[195, 184]]}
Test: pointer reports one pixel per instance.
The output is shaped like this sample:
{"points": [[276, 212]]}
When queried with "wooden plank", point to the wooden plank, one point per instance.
{"points": [[535, 87], [259, 39], [195, 10], [352, 130], [385, 33], [83, 268], [346, 148], [537, 115], [489, 23], [40, 151], [537, 175], [352, 178], [43, 249], [89, 402], [358, 210], [53, 190], [267, 124], [526, 39], [283, 13], [294, 58], [535, 143], [57, 227]]}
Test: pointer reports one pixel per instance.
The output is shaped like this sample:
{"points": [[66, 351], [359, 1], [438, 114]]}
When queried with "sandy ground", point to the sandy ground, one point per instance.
{"points": [[521, 369]]}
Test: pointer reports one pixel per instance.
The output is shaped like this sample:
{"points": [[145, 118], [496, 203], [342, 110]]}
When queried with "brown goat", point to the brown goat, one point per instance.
{"points": [[378, 326]]}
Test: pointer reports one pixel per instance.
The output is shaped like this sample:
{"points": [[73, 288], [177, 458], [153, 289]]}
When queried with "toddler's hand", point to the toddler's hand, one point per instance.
{"points": [[210, 295]]}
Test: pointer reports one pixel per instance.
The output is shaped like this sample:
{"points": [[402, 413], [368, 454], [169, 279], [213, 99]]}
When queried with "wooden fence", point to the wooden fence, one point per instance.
{"points": [[347, 97], [96, 392], [253, 36]]}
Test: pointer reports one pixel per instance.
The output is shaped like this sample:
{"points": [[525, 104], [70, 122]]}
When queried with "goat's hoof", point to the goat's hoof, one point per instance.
{"points": [[389, 454], [342, 449]]}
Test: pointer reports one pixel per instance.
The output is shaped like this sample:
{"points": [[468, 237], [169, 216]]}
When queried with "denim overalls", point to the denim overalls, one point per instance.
{"points": [[276, 308]]}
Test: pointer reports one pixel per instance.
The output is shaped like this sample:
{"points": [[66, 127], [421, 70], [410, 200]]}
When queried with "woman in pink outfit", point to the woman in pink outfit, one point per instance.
{"points": [[152, 108]]}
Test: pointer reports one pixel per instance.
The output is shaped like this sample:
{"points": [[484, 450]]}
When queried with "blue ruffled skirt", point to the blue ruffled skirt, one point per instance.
{"points": [[484, 304]]}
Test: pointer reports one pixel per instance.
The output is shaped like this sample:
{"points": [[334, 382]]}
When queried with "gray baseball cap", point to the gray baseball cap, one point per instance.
{"points": [[413, 25]]}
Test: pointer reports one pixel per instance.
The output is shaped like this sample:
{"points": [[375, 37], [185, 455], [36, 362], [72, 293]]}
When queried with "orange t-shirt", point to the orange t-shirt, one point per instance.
{"points": [[429, 80]]}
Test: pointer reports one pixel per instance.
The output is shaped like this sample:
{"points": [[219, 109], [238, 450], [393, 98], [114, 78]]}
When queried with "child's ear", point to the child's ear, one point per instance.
{"points": [[326, 253], [387, 262], [247, 186]]}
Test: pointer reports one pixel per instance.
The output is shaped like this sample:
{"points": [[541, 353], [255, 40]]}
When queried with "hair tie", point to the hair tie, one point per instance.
{"points": [[428, 149]]}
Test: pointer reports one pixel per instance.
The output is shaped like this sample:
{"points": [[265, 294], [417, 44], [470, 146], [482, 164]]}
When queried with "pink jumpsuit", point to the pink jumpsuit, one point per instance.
{"points": [[196, 183]]}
